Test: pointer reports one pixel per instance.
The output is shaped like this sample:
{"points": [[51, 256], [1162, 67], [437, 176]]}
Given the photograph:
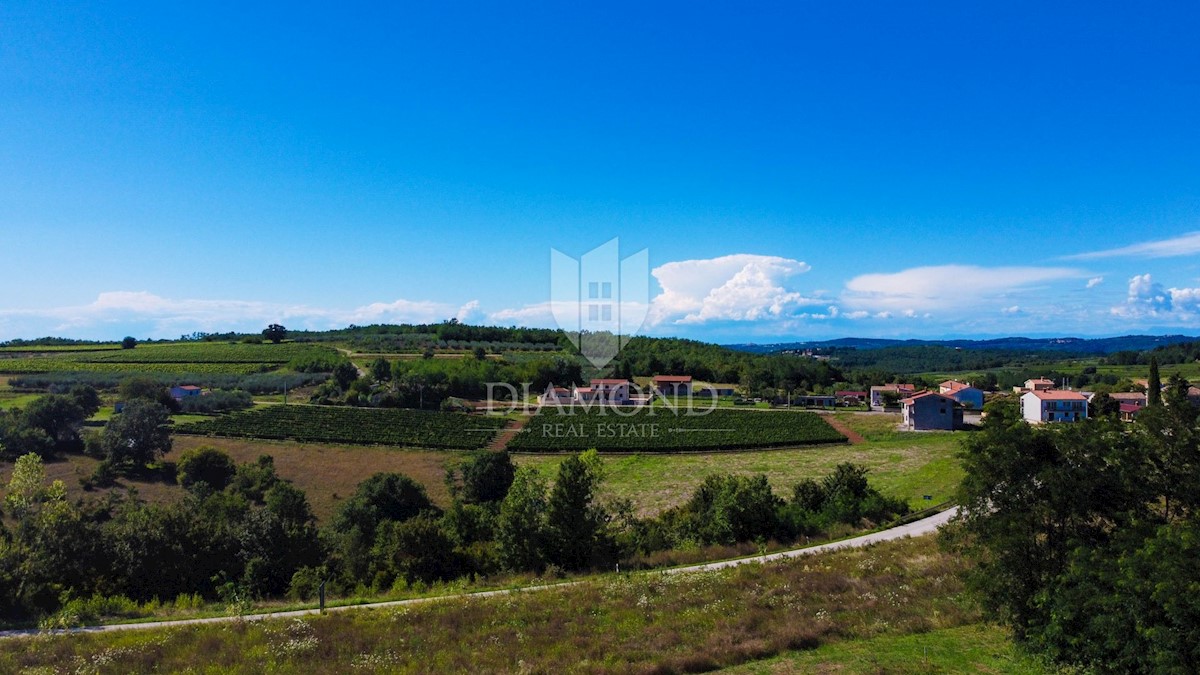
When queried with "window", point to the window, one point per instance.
{"points": [[606, 312], [606, 290], [593, 290], [593, 312]]}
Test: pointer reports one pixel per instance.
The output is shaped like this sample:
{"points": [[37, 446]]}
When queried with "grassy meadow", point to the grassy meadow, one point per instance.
{"points": [[898, 596]]}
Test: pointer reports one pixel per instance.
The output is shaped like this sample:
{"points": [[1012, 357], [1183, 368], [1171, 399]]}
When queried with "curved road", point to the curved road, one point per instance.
{"points": [[913, 529]]}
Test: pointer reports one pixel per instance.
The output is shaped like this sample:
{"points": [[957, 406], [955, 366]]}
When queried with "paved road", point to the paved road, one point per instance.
{"points": [[913, 529]]}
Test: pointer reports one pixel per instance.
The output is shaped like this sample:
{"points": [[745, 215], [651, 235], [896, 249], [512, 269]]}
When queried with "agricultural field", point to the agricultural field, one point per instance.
{"points": [[370, 426], [212, 352], [59, 365], [662, 430], [175, 357]]}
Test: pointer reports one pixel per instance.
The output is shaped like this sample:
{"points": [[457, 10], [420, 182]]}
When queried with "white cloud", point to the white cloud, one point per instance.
{"points": [[156, 316], [467, 312], [1015, 309], [741, 287], [944, 287], [1187, 244], [1148, 299], [1095, 281]]}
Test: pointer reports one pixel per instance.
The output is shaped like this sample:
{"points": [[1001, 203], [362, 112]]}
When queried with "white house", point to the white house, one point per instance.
{"points": [[1053, 406], [964, 393]]}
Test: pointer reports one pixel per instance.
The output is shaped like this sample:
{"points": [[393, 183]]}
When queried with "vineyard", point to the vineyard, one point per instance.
{"points": [[60, 365], [211, 352], [185, 357], [369, 426], [659, 430]]}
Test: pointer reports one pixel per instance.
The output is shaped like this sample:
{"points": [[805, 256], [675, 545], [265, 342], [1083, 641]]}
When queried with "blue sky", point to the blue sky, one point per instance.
{"points": [[794, 170]]}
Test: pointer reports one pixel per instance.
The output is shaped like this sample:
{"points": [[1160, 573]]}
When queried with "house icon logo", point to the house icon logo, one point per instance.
{"points": [[599, 300]]}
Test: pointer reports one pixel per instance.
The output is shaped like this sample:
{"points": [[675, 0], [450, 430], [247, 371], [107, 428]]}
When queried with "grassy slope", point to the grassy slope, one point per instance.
{"points": [[633, 623]]}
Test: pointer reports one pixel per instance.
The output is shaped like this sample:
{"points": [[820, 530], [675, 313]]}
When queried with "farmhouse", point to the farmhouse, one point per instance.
{"points": [[964, 393], [930, 410], [183, 391], [901, 390], [673, 385], [1053, 406], [609, 391], [1129, 411]]}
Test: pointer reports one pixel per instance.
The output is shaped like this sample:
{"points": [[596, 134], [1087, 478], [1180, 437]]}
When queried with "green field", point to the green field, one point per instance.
{"points": [[372, 426], [905, 465], [662, 430]]}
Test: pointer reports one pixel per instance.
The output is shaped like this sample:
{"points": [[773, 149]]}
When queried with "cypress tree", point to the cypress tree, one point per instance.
{"points": [[1154, 384]]}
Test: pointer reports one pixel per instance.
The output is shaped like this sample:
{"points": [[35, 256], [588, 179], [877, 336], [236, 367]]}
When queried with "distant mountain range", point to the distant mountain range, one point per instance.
{"points": [[1072, 345]]}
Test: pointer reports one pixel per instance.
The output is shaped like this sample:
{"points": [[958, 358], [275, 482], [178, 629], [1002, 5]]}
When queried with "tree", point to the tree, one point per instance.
{"points": [[206, 465], [574, 521], [1154, 384], [381, 370], [129, 342], [345, 374], [480, 354], [275, 333], [485, 477], [138, 435], [60, 416], [521, 530], [383, 496], [1103, 405], [146, 389]]}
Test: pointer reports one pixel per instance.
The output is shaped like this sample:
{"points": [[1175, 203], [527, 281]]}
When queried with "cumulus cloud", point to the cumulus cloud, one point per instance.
{"points": [[1187, 244], [1015, 309], [167, 317], [928, 290], [1095, 281], [741, 287], [1148, 299]]}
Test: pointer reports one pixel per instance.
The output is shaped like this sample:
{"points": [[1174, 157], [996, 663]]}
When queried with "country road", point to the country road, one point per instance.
{"points": [[913, 529]]}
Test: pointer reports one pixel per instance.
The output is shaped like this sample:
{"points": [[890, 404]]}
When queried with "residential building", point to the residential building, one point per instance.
{"points": [[1053, 406], [183, 391], [814, 401], [967, 395], [929, 411], [1133, 398], [556, 396], [851, 397], [900, 390], [610, 391]]}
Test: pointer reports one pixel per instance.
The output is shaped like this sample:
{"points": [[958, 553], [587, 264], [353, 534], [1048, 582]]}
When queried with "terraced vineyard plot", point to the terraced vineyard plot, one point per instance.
{"points": [[373, 426], [211, 352], [658, 430], [58, 365]]}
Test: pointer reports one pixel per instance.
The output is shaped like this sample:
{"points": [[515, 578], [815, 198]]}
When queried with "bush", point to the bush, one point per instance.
{"points": [[206, 465]]}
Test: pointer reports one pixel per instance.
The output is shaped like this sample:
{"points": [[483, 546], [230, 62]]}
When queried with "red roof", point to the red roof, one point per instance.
{"points": [[1130, 407], [860, 394], [189, 387], [672, 378], [609, 381], [584, 390], [1056, 395], [955, 385], [925, 394]]}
